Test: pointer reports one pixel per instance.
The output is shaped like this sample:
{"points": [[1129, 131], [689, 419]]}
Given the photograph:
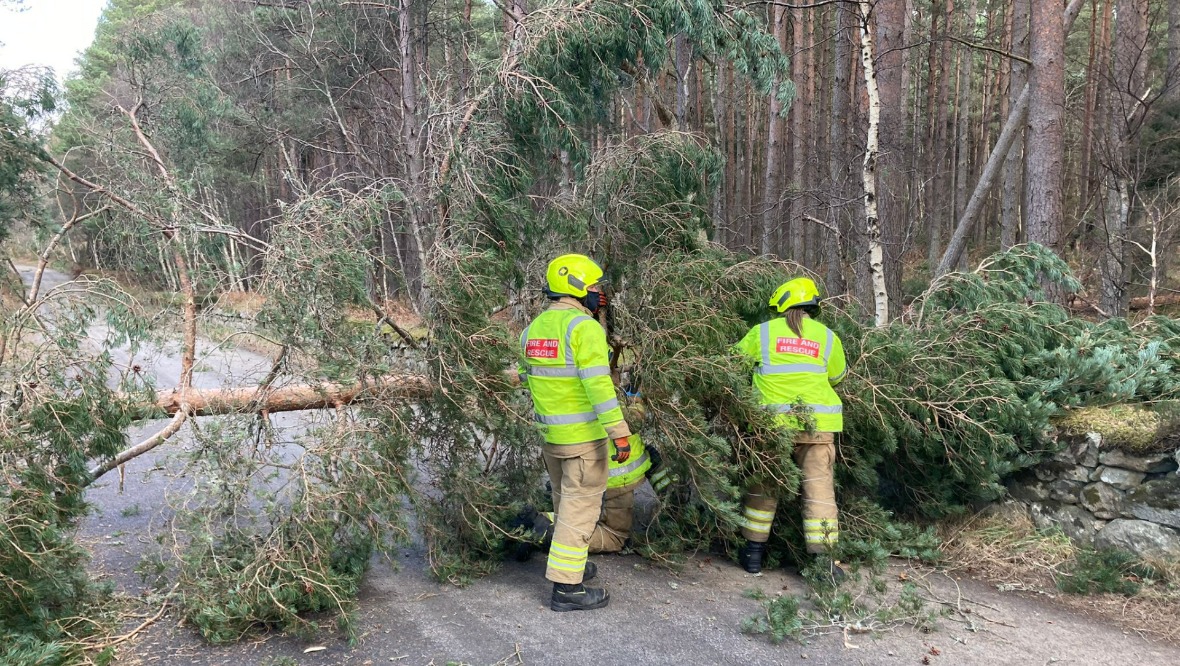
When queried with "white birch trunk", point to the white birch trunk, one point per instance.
{"points": [[872, 151]]}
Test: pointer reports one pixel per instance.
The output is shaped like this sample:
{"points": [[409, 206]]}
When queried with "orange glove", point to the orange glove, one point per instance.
{"points": [[622, 450]]}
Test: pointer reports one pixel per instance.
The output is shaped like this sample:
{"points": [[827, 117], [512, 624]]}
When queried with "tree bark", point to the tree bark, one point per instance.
{"points": [[839, 172], [889, 66], [1012, 192], [771, 189], [252, 400], [872, 150], [412, 142], [798, 135], [1172, 77], [1015, 122], [1129, 70], [1044, 175]]}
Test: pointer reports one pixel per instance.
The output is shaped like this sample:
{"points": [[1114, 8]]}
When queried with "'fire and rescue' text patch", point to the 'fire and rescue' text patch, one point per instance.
{"points": [[544, 348], [797, 346]]}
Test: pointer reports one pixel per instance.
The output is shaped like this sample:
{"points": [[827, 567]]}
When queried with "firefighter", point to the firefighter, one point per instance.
{"points": [[798, 360], [567, 371], [613, 530], [618, 505]]}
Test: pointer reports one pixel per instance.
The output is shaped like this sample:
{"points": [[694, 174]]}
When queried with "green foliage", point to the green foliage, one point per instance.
{"points": [[25, 97], [780, 621], [942, 404], [1105, 572], [265, 556], [57, 414], [863, 606]]}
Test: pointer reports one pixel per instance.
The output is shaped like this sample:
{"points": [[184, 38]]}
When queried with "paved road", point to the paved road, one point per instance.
{"points": [[655, 617]]}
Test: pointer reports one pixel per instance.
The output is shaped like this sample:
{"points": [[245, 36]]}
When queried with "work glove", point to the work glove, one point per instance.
{"points": [[622, 450]]}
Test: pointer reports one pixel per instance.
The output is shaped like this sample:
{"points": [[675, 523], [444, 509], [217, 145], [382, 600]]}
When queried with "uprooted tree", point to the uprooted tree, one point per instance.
{"points": [[942, 403]]}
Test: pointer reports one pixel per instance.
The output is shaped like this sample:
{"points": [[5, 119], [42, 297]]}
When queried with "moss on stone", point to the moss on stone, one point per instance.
{"points": [[1132, 428]]}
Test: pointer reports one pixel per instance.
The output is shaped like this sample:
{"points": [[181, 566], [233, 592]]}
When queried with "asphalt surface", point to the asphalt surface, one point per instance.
{"points": [[656, 616]]}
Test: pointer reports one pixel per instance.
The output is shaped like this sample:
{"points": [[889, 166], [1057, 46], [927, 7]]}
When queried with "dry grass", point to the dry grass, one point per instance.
{"points": [[240, 302], [1003, 547]]}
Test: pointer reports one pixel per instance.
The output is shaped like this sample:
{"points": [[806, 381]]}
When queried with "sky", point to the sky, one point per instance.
{"points": [[47, 32]]}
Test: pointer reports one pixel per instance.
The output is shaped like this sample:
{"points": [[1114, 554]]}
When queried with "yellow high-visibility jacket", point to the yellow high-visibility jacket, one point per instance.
{"points": [[798, 369], [566, 369], [631, 471]]}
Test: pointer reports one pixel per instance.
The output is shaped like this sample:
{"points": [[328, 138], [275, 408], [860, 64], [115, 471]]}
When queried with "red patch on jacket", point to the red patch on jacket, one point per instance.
{"points": [[544, 348], [797, 346]]}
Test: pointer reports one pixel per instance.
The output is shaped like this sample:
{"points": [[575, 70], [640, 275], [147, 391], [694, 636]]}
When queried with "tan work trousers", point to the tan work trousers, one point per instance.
{"points": [[578, 474], [614, 527], [816, 456]]}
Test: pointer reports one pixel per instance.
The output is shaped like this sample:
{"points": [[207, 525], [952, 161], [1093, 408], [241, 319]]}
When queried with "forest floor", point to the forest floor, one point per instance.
{"points": [[657, 616]]}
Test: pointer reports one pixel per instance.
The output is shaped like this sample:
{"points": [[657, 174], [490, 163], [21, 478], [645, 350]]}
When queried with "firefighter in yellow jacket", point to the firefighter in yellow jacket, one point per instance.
{"points": [[799, 360], [614, 526], [567, 371]]}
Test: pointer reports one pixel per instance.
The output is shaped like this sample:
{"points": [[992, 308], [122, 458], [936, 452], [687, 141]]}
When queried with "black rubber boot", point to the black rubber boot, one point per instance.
{"points": [[577, 597], [750, 557], [590, 572]]}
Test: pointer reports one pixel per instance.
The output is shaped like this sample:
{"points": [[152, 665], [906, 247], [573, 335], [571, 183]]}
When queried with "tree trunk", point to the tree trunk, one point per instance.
{"points": [[1016, 120], [798, 136], [889, 66], [771, 189], [962, 121], [1172, 77], [839, 173], [872, 150], [1045, 164], [940, 205], [412, 143], [1129, 70], [721, 200], [1012, 191], [212, 402]]}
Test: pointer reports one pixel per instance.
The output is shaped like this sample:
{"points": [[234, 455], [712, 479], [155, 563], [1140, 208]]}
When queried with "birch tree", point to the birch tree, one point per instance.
{"points": [[872, 224]]}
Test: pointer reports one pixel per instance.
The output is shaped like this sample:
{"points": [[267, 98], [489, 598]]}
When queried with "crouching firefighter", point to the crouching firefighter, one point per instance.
{"points": [[799, 360], [613, 531], [566, 369]]}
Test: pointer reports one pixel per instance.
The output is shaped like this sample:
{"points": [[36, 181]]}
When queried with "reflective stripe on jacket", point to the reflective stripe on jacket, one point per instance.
{"points": [[566, 367], [798, 369], [632, 471]]}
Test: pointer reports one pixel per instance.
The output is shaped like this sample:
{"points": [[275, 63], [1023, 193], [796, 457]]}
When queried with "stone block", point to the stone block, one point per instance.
{"points": [[1080, 449], [1029, 491], [1123, 479], [1152, 463], [1065, 491], [1157, 501], [1102, 500], [1140, 537], [1074, 521]]}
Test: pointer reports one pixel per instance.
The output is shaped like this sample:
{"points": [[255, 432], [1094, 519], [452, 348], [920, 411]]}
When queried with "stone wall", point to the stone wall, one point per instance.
{"points": [[1104, 497]]}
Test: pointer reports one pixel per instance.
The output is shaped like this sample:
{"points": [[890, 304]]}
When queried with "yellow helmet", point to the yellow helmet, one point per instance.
{"points": [[797, 292], [572, 274]]}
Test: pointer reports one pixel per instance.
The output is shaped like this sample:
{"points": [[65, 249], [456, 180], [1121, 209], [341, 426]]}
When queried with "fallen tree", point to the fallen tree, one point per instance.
{"points": [[941, 404]]}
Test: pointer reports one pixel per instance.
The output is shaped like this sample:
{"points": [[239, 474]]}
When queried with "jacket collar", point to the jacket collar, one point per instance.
{"points": [[569, 303]]}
